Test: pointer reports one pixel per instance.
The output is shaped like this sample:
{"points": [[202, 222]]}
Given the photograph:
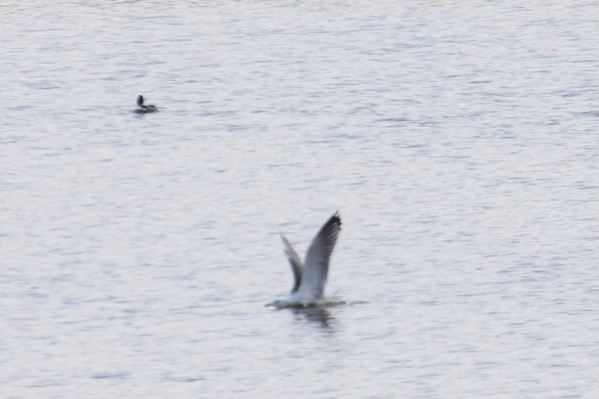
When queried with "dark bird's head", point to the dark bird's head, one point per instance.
{"points": [[140, 100]]}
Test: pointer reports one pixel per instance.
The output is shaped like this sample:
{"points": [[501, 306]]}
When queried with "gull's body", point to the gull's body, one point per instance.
{"points": [[310, 276]]}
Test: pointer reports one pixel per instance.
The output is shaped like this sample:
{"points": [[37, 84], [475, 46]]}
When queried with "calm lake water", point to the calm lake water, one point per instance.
{"points": [[458, 140]]}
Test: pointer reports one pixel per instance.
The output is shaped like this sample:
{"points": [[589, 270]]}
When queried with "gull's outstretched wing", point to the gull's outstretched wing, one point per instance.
{"points": [[316, 264], [296, 264]]}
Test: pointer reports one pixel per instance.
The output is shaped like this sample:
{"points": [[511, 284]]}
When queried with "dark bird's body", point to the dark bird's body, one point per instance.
{"points": [[144, 109]]}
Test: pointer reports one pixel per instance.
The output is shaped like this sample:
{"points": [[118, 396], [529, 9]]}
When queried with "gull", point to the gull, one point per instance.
{"points": [[310, 276]]}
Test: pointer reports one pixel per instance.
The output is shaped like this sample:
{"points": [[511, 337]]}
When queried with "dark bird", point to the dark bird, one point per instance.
{"points": [[144, 109]]}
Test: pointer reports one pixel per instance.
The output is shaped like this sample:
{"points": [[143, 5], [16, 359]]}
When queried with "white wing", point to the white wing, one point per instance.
{"points": [[316, 263], [296, 264]]}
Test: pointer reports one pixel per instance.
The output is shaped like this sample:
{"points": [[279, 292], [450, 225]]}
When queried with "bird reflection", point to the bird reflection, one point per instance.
{"points": [[318, 315]]}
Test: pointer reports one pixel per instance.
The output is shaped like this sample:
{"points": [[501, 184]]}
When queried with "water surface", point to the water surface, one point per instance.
{"points": [[458, 141]]}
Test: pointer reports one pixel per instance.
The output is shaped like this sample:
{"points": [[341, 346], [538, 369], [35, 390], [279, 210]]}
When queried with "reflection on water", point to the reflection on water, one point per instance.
{"points": [[318, 315]]}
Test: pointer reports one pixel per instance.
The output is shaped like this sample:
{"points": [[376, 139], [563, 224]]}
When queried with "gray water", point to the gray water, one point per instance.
{"points": [[458, 140]]}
